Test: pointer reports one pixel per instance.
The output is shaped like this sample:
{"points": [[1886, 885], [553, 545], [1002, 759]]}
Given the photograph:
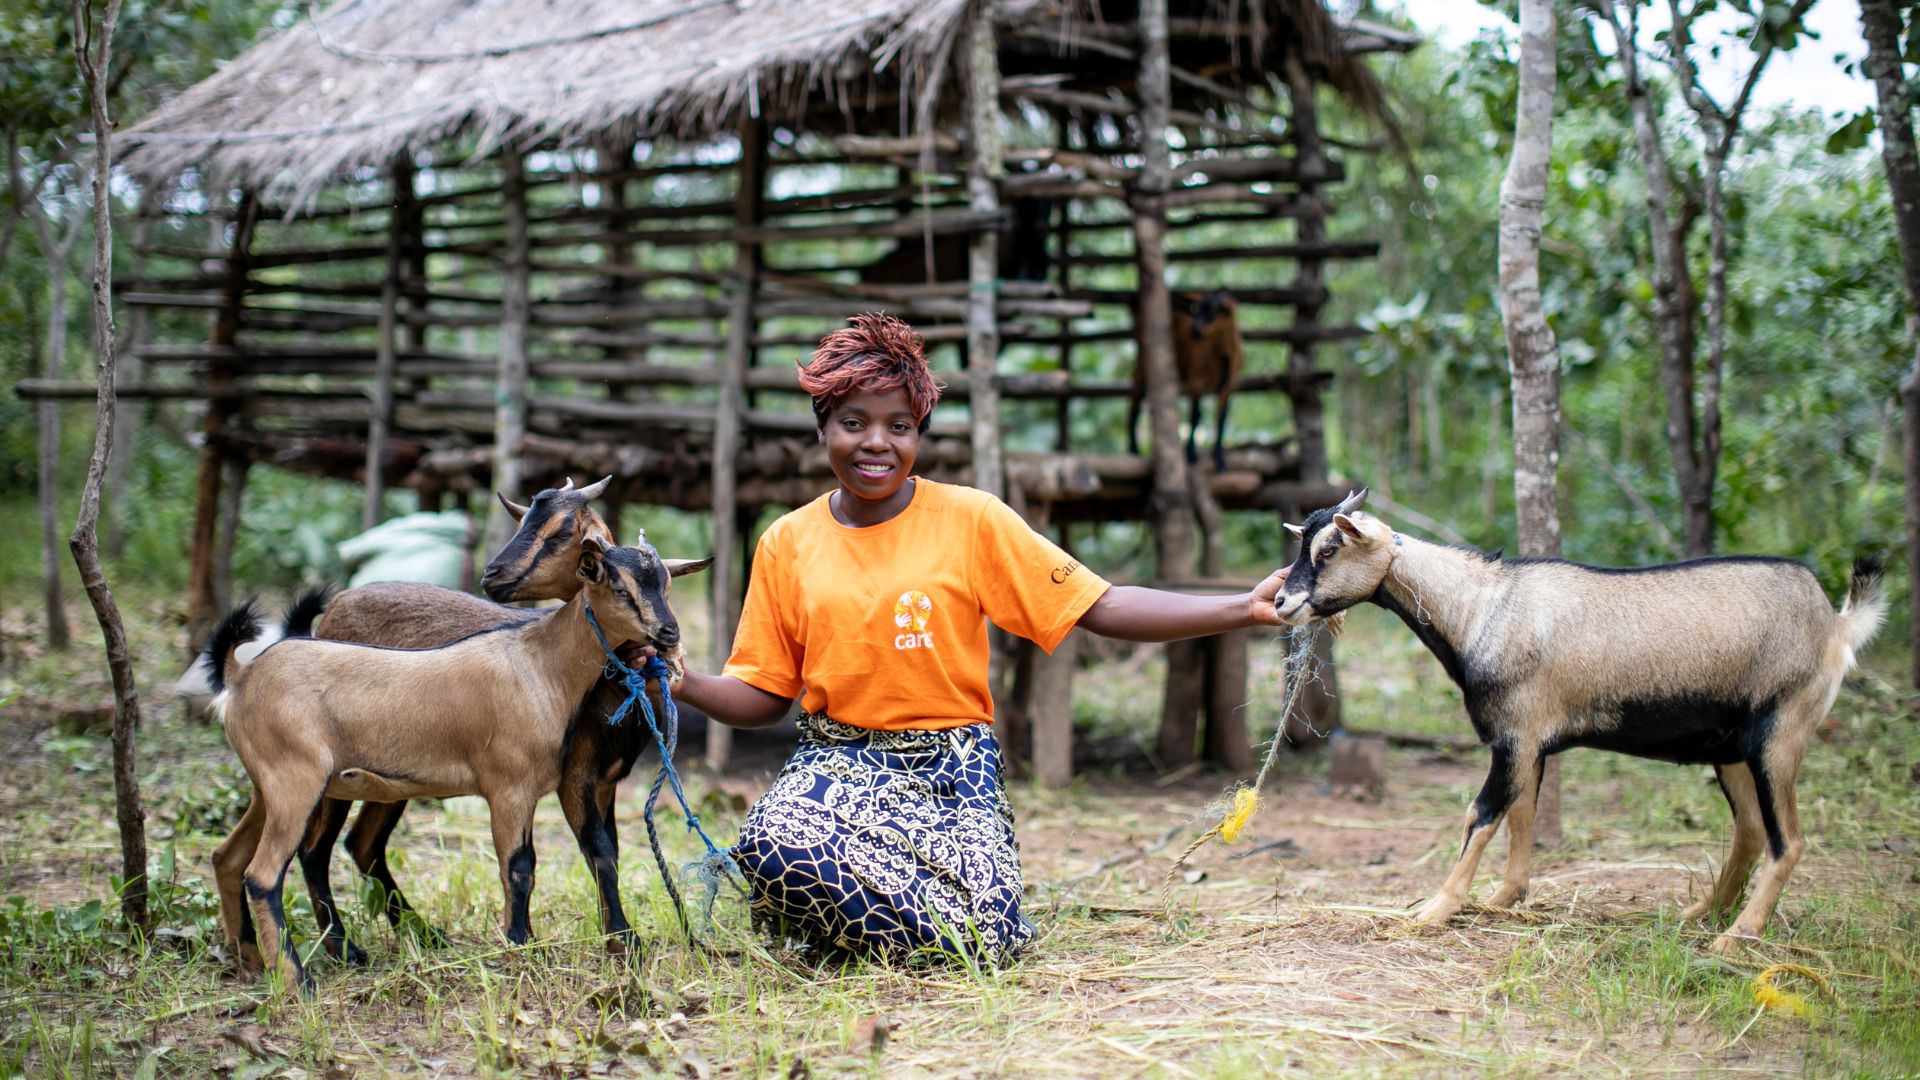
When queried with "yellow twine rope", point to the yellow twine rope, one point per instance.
{"points": [[1772, 998], [1238, 809]]}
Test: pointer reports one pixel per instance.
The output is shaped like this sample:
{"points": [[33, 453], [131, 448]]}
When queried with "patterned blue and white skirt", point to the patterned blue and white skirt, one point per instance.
{"points": [[891, 842]]}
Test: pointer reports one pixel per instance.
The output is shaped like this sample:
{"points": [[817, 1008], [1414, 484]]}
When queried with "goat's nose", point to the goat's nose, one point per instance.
{"points": [[667, 637]]}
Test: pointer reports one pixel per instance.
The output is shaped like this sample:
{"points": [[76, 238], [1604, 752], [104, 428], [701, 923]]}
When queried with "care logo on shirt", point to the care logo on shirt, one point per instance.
{"points": [[910, 613]]}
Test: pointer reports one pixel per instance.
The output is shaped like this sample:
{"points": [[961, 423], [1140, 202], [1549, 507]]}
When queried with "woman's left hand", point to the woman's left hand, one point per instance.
{"points": [[1260, 605]]}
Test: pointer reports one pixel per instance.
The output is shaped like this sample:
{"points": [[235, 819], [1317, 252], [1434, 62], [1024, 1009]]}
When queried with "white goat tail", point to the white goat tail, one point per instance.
{"points": [[1864, 609]]}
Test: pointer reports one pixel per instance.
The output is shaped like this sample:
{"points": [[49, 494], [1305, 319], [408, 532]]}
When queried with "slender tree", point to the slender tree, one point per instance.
{"points": [[92, 46], [1673, 208], [1532, 353], [1880, 22]]}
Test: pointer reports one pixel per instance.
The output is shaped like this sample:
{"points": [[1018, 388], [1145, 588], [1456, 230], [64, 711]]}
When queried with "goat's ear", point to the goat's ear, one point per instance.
{"points": [[591, 567], [683, 567], [513, 508], [595, 543], [1351, 528]]}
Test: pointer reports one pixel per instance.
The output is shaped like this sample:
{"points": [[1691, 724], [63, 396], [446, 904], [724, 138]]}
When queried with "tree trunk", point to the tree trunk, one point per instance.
{"points": [[1880, 24], [55, 367], [983, 255], [92, 44], [1533, 354], [1674, 302]]}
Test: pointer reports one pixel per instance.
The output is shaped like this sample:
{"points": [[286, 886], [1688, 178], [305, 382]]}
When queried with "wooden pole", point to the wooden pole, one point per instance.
{"points": [[387, 348], [233, 488], [984, 170], [1173, 531], [730, 416], [1319, 708], [202, 606], [621, 287], [510, 412], [1063, 233], [1172, 507]]}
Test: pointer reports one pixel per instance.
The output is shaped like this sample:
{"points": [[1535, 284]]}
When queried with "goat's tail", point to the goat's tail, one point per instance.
{"points": [[310, 606], [241, 625], [1865, 607]]}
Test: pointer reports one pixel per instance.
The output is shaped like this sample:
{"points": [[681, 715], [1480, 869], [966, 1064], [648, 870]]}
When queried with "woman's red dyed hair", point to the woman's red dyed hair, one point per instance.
{"points": [[877, 353]]}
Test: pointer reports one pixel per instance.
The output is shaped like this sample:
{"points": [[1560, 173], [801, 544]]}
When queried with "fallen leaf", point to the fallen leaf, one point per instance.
{"points": [[253, 1039], [695, 1066], [872, 1032], [799, 1070], [1195, 877]]}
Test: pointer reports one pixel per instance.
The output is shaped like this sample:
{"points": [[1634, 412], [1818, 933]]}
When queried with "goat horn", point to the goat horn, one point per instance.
{"points": [[513, 508], [568, 486], [1296, 530], [1352, 502], [592, 491]]}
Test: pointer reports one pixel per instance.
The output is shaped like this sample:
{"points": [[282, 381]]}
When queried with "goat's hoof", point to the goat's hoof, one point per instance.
{"points": [[624, 943], [354, 955], [1698, 911], [247, 959], [1733, 941], [1503, 897], [1437, 911]]}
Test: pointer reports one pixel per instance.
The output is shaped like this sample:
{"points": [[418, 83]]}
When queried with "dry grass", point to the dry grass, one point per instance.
{"points": [[1290, 951]]}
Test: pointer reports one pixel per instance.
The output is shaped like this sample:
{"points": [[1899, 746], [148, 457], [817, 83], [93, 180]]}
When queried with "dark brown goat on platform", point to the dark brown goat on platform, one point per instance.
{"points": [[1208, 356], [487, 715]]}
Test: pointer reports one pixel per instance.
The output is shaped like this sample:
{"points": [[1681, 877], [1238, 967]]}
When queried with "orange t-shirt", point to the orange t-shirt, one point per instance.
{"points": [[886, 626]]}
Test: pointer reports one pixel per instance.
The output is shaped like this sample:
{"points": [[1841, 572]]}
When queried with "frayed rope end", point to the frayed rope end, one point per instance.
{"points": [[1246, 801]]}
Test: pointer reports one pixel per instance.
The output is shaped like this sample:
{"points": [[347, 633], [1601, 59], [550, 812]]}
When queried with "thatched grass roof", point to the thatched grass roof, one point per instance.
{"points": [[368, 79]]}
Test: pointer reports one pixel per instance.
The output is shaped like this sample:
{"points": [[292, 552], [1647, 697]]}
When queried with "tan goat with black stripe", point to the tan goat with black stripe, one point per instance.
{"points": [[485, 715], [1730, 662]]}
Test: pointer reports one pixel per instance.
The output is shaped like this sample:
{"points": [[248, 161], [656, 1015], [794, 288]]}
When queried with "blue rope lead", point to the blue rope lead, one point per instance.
{"points": [[717, 861]]}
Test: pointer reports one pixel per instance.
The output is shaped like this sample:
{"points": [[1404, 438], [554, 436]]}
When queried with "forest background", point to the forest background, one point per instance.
{"points": [[1816, 323]]}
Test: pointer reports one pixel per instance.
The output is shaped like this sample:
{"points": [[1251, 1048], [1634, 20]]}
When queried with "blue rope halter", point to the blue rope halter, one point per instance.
{"points": [[716, 862]]}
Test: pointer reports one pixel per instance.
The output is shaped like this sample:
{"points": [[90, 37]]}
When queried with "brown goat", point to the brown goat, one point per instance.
{"points": [[537, 563], [1208, 356], [483, 715]]}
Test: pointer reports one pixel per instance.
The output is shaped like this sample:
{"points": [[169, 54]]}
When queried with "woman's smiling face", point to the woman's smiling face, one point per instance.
{"points": [[872, 440]]}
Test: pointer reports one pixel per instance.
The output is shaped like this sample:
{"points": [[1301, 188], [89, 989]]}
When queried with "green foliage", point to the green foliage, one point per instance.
{"points": [[1815, 323]]}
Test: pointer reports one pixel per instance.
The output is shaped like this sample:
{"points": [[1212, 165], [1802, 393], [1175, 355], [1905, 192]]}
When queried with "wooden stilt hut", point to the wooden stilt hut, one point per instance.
{"points": [[484, 245]]}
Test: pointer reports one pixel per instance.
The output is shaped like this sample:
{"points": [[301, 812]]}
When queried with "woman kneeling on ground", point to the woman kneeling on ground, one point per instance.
{"points": [[888, 830]]}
